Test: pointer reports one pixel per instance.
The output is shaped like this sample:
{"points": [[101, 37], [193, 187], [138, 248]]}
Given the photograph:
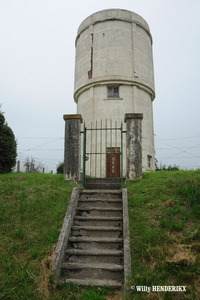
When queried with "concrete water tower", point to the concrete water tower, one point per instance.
{"points": [[114, 72]]}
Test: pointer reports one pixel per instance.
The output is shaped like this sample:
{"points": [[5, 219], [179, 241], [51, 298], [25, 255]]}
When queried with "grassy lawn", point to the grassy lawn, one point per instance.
{"points": [[164, 213], [32, 210]]}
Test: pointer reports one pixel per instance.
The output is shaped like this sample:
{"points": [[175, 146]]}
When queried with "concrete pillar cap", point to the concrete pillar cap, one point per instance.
{"points": [[73, 116], [133, 116]]}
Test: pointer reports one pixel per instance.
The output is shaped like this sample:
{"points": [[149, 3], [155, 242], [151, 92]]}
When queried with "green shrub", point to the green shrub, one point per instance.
{"points": [[8, 147], [60, 168]]}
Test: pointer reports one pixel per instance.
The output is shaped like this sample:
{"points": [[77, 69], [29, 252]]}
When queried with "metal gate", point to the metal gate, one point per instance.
{"points": [[102, 160]]}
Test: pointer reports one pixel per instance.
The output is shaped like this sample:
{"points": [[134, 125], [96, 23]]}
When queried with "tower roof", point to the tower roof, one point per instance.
{"points": [[114, 14]]}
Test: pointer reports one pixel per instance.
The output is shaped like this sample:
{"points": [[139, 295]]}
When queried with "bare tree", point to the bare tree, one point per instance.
{"points": [[31, 165]]}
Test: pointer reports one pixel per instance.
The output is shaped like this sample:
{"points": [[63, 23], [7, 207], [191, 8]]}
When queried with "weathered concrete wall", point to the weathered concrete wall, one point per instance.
{"points": [[100, 48], [72, 150], [144, 105], [102, 61], [133, 146]]}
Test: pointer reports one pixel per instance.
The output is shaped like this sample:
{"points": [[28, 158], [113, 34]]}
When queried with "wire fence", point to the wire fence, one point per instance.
{"points": [[181, 151], [46, 159]]}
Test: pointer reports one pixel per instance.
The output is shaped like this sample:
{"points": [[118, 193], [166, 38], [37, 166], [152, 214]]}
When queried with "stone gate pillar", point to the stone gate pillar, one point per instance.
{"points": [[133, 145], [72, 148]]}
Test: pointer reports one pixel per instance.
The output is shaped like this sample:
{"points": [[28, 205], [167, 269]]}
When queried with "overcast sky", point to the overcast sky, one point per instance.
{"points": [[37, 55]]}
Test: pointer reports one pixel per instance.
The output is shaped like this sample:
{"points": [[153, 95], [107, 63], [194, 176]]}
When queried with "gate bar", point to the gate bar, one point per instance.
{"points": [[121, 169], [84, 154]]}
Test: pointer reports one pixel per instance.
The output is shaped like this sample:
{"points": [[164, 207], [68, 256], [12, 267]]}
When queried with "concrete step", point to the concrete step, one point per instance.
{"points": [[86, 243], [100, 194], [103, 183], [115, 203], [92, 270], [94, 231], [98, 221], [94, 256], [100, 185], [94, 253], [100, 211], [94, 282]]}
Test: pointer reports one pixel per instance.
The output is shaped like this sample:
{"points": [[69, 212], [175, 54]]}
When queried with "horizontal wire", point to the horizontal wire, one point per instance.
{"points": [[41, 149], [180, 138], [40, 138]]}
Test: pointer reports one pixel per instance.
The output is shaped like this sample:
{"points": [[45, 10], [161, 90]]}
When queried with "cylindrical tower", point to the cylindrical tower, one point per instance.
{"points": [[114, 72]]}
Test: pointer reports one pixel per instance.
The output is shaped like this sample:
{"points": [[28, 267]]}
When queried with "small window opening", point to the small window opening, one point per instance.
{"points": [[113, 91], [149, 158]]}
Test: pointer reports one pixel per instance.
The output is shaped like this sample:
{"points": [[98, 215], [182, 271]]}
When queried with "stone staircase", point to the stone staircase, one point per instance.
{"points": [[94, 253]]}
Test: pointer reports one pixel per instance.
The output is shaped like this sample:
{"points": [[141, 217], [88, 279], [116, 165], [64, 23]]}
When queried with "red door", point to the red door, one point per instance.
{"points": [[112, 165]]}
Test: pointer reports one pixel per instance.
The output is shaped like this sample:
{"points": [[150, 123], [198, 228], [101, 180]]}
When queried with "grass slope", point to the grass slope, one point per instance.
{"points": [[164, 211], [32, 210]]}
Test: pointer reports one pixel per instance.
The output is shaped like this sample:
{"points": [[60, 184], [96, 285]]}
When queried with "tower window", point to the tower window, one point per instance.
{"points": [[149, 158], [113, 91]]}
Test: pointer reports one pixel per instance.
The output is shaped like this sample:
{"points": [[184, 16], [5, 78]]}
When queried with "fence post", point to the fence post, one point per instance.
{"points": [[72, 149], [84, 155], [133, 145], [122, 155], [18, 166], [32, 168]]}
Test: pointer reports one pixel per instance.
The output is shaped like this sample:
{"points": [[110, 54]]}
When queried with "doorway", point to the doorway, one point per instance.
{"points": [[113, 162]]}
